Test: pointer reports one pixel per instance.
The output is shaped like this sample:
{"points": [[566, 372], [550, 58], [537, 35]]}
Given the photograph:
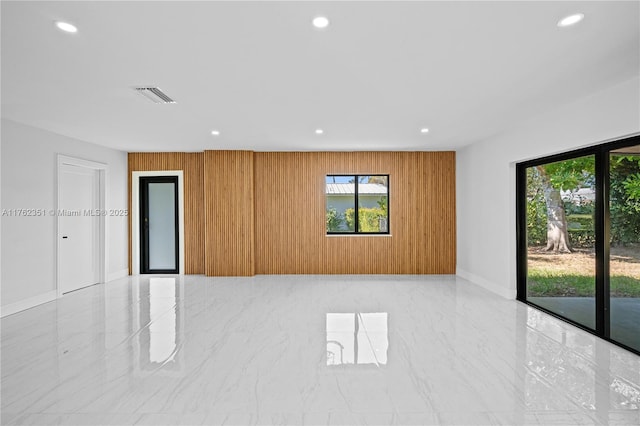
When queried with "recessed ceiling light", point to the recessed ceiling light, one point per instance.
{"points": [[320, 22], [319, 131], [215, 132], [66, 27], [424, 130], [570, 20]]}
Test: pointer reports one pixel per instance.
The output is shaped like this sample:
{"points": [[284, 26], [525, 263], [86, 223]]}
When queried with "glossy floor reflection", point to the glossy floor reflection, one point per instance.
{"points": [[265, 350]]}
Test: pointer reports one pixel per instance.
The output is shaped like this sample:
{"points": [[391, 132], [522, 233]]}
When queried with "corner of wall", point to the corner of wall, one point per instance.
{"points": [[507, 293], [112, 276]]}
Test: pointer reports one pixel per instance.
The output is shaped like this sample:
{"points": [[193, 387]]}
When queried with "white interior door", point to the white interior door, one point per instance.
{"points": [[78, 227]]}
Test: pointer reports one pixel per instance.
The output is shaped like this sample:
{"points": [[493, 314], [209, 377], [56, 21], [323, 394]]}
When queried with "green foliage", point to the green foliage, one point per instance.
{"points": [[334, 220], [581, 230], [580, 221], [577, 173], [632, 188], [536, 223], [383, 205], [543, 283], [579, 209], [536, 210], [582, 238], [623, 286], [349, 217], [572, 173], [624, 194], [567, 175], [368, 218]]}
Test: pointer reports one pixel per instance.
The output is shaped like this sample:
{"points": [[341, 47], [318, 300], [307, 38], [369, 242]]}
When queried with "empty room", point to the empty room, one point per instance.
{"points": [[320, 213]]}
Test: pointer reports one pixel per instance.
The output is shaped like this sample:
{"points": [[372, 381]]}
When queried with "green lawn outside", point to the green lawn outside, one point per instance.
{"points": [[544, 283]]}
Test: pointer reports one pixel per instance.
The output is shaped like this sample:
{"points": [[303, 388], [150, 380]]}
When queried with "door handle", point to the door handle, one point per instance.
{"points": [[64, 237]]}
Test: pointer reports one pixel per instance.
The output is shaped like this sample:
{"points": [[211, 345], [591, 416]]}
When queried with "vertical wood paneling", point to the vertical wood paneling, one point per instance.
{"points": [[229, 206], [264, 213], [290, 235], [192, 166]]}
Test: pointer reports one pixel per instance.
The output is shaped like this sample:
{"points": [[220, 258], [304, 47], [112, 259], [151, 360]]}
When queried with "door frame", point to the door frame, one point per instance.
{"points": [[135, 216], [102, 170], [145, 233]]}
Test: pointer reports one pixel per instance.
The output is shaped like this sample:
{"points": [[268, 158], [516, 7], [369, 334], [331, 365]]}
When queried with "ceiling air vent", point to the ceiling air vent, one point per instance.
{"points": [[155, 95]]}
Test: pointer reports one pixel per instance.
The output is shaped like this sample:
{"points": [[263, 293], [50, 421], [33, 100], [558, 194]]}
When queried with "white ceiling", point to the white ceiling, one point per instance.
{"points": [[266, 79]]}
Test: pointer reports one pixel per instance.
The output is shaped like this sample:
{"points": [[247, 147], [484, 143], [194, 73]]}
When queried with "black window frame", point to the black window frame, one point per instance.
{"points": [[602, 223], [355, 202]]}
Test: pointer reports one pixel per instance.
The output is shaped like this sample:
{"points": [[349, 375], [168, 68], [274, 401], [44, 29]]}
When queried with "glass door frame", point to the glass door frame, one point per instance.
{"points": [[144, 229], [602, 222]]}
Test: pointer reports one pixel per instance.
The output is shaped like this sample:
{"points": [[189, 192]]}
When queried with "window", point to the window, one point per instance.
{"points": [[579, 238], [357, 204]]}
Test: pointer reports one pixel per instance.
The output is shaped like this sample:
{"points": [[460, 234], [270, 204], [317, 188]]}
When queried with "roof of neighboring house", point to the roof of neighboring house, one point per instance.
{"points": [[363, 188]]}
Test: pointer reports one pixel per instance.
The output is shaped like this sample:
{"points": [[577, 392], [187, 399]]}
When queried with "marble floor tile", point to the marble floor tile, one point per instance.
{"points": [[307, 350]]}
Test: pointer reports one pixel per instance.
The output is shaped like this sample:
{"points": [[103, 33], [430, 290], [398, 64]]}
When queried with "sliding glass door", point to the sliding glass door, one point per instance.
{"points": [[561, 267], [624, 254], [579, 238]]}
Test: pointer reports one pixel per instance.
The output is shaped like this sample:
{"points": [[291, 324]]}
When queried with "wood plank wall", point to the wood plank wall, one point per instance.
{"points": [[265, 212], [290, 219], [229, 203], [193, 172]]}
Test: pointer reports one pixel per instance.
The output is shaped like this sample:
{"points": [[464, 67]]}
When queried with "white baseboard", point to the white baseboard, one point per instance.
{"points": [[28, 303], [118, 274], [486, 284]]}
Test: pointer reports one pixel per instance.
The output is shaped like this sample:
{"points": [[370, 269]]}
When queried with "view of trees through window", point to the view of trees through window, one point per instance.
{"points": [[560, 237], [561, 240], [357, 204]]}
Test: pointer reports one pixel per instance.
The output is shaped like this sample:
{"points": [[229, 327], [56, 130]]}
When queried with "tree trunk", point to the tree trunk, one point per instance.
{"points": [[557, 232]]}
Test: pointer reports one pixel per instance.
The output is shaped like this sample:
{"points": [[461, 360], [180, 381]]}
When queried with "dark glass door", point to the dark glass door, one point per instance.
{"points": [[159, 225], [578, 218], [561, 255], [624, 252]]}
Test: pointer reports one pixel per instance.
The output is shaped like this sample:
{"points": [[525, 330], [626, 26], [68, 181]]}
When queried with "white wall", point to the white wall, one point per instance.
{"points": [[29, 168], [485, 187]]}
